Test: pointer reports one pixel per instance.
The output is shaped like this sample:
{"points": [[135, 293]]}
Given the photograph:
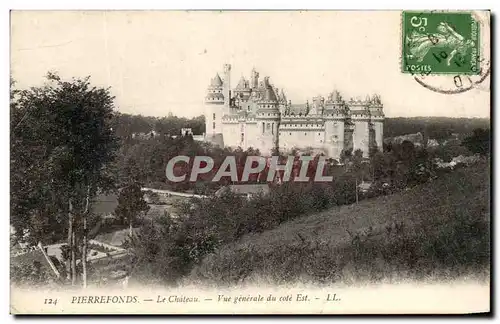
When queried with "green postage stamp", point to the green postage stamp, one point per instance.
{"points": [[440, 43]]}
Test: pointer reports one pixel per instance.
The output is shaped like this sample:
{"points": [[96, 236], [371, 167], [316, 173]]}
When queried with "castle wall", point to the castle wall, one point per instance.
{"points": [[334, 137], [301, 134], [379, 133], [263, 134], [252, 136], [230, 132], [213, 119], [361, 136]]}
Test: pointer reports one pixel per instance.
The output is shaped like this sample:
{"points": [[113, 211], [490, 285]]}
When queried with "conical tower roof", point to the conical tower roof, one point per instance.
{"points": [[216, 81], [268, 93], [242, 83]]}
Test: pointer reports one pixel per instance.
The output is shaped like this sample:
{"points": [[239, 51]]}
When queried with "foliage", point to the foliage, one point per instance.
{"points": [[131, 203], [479, 141], [61, 145], [29, 274], [448, 150], [61, 140], [125, 125]]}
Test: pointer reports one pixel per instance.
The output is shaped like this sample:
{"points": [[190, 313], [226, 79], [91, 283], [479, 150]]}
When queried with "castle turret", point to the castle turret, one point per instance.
{"points": [[214, 103], [360, 116], [242, 93], [282, 102], [268, 117], [254, 81], [335, 125], [377, 120], [317, 106]]}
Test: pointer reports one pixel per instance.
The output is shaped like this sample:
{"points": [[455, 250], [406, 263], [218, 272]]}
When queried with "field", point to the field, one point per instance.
{"points": [[435, 231]]}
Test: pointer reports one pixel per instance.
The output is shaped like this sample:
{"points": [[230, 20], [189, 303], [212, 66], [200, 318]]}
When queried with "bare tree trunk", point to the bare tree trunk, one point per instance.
{"points": [[84, 252], [73, 257], [70, 240]]}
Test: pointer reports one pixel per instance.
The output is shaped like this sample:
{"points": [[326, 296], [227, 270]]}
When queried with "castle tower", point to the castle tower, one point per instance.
{"points": [[268, 118], [254, 79], [227, 88], [377, 119], [317, 105], [360, 116], [214, 104], [282, 102], [335, 117]]}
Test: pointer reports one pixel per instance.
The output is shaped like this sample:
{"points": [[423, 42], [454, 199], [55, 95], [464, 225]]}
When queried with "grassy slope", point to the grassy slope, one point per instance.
{"points": [[449, 215]]}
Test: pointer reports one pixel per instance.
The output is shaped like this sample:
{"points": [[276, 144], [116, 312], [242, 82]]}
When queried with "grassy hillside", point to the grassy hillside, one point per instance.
{"points": [[437, 230]]}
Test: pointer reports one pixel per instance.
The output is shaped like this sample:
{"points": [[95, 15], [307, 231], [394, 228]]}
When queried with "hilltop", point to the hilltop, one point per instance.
{"points": [[438, 230]]}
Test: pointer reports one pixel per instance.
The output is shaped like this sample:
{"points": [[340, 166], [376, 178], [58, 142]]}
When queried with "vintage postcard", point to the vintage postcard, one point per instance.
{"points": [[250, 162]]}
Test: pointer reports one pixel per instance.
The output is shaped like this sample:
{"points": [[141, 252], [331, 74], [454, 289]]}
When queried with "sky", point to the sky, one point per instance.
{"points": [[161, 62]]}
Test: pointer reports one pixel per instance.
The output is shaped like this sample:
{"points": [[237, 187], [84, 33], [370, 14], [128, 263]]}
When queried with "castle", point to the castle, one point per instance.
{"points": [[256, 114]]}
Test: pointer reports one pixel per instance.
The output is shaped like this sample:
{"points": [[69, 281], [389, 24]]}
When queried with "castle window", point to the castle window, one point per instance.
{"points": [[214, 116], [319, 133], [213, 125], [242, 137], [290, 134], [272, 129], [305, 133]]}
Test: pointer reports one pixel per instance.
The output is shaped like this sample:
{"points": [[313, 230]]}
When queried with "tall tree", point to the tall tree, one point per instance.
{"points": [[61, 140], [130, 204]]}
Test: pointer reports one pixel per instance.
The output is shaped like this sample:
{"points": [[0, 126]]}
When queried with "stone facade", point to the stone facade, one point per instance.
{"points": [[257, 114]]}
